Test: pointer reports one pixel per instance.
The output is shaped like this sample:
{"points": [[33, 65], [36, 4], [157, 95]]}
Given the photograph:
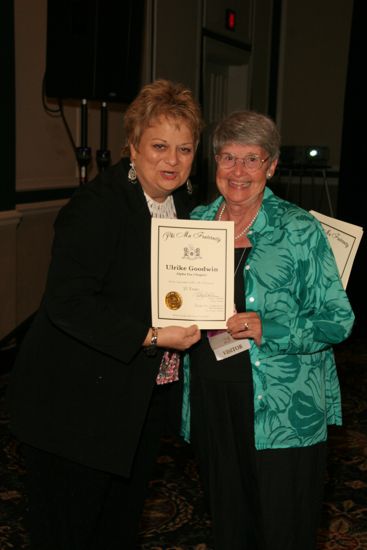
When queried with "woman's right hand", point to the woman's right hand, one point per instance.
{"points": [[178, 338]]}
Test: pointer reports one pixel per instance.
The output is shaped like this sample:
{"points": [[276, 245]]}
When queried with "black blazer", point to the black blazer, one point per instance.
{"points": [[81, 384]]}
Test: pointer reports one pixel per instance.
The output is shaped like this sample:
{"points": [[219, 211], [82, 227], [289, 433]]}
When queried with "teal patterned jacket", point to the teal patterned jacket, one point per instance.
{"points": [[292, 282]]}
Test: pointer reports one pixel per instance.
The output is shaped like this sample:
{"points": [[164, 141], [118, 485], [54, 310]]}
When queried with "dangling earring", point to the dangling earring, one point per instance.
{"points": [[132, 173], [189, 188]]}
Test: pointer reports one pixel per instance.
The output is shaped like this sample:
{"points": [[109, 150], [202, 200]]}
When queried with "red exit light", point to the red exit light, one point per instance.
{"points": [[231, 20]]}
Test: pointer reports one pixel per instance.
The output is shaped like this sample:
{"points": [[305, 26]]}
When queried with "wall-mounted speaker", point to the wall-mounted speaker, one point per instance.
{"points": [[94, 49]]}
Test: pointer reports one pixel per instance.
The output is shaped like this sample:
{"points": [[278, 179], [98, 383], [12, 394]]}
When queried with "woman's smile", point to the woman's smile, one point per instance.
{"points": [[239, 184]]}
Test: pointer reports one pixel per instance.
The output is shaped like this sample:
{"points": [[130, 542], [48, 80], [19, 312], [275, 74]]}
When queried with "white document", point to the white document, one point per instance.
{"points": [[192, 272], [344, 239]]}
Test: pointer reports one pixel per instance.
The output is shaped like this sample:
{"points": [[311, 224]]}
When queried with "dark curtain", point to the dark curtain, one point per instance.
{"points": [[353, 179]]}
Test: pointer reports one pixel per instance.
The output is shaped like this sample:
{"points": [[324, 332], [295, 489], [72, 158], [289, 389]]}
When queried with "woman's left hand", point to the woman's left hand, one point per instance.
{"points": [[245, 325]]}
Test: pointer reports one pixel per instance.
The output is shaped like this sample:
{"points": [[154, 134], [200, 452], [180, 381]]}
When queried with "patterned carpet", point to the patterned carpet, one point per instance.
{"points": [[175, 517]]}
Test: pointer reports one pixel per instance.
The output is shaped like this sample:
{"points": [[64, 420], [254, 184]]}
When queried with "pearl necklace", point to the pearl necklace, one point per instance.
{"points": [[244, 231]]}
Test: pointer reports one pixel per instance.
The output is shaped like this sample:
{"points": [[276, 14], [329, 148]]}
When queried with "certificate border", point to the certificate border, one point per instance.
{"points": [[351, 251], [178, 319], [227, 230]]}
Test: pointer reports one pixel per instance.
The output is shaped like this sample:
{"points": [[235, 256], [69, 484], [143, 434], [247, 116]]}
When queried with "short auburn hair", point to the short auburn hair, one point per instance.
{"points": [[161, 98]]}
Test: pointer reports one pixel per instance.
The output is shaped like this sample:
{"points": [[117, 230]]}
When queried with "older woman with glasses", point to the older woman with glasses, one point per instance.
{"points": [[259, 417]]}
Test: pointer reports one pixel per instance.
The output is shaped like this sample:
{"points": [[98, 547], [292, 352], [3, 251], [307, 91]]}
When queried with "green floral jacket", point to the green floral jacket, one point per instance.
{"points": [[292, 282]]}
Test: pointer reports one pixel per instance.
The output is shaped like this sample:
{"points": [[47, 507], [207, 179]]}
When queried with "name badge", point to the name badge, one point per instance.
{"points": [[223, 345]]}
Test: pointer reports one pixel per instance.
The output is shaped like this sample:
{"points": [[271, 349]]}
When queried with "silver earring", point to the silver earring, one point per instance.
{"points": [[268, 175], [132, 173], [189, 187]]}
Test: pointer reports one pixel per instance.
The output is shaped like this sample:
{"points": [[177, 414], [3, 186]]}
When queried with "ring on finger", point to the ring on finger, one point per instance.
{"points": [[246, 327]]}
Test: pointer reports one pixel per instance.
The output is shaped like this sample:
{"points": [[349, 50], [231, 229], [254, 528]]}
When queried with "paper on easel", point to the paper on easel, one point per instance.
{"points": [[344, 239]]}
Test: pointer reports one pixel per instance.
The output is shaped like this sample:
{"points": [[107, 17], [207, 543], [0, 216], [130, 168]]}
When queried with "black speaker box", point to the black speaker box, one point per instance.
{"points": [[94, 49]]}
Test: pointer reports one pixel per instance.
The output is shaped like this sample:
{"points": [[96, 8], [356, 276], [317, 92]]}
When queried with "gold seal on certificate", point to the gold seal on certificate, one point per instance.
{"points": [[173, 300]]}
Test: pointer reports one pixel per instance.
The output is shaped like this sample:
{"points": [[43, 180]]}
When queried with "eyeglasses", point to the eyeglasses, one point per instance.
{"points": [[251, 162]]}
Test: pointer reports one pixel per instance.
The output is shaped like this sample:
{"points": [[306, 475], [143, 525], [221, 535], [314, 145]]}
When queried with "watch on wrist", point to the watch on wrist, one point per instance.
{"points": [[151, 350]]}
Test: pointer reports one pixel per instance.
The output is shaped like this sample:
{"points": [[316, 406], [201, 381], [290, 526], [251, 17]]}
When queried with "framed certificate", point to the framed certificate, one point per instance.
{"points": [[192, 272]]}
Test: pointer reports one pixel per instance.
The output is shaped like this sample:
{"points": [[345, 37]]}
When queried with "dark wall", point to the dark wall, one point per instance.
{"points": [[7, 106], [352, 205]]}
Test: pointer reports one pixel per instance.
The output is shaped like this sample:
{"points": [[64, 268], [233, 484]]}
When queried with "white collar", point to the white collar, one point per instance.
{"points": [[164, 209]]}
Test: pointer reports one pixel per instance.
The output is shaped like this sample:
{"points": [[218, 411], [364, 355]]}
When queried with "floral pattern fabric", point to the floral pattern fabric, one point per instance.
{"points": [[292, 282]]}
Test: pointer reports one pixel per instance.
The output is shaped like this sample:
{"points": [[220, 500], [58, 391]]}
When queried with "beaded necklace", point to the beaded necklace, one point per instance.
{"points": [[244, 231]]}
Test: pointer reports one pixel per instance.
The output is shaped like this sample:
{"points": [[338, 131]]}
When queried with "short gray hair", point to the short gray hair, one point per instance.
{"points": [[248, 128]]}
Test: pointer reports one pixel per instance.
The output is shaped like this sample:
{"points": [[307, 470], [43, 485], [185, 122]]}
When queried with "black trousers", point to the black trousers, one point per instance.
{"points": [[258, 500], [74, 507]]}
